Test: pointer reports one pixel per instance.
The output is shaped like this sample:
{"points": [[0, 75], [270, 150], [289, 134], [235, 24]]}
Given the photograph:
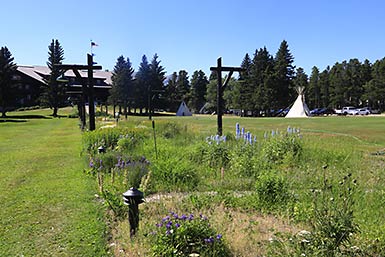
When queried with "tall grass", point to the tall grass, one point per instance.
{"points": [[233, 177]]}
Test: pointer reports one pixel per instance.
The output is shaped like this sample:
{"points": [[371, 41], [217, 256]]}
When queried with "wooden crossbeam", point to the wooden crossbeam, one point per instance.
{"points": [[78, 67], [238, 69], [220, 88]]}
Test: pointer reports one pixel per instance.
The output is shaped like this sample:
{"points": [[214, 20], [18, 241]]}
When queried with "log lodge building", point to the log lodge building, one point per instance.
{"points": [[30, 79]]}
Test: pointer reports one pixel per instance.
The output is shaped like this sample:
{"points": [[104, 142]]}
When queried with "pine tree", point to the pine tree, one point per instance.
{"points": [[313, 94], [54, 92], [339, 83], [284, 74], [143, 82], [7, 70], [182, 86], [324, 86], [198, 90], [375, 88], [263, 80], [171, 92], [157, 77], [122, 90], [245, 87]]}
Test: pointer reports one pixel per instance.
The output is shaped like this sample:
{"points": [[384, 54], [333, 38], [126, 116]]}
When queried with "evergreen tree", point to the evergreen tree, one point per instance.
{"points": [[284, 74], [182, 86], [247, 65], [339, 82], [54, 92], [300, 79], [324, 86], [122, 90], [375, 88], [198, 90], [7, 70], [211, 95], [245, 87], [171, 93], [142, 85], [355, 86], [313, 94], [264, 82], [157, 77]]}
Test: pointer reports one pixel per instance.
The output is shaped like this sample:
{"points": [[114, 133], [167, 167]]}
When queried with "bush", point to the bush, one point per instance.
{"points": [[281, 146], [272, 191], [332, 224], [169, 174], [184, 235]]}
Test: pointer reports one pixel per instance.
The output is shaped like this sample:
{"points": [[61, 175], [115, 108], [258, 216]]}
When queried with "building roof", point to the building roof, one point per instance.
{"points": [[38, 72]]}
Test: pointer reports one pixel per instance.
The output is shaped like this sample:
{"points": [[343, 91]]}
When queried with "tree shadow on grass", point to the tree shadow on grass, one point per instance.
{"points": [[27, 116], [10, 120]]}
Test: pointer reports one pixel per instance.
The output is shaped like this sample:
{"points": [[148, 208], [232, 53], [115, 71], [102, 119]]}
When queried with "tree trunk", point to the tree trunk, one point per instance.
{"points": [[55, 110]]}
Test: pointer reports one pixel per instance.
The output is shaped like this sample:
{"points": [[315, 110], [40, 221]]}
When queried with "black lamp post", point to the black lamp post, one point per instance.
{"points": [[133, 197]]}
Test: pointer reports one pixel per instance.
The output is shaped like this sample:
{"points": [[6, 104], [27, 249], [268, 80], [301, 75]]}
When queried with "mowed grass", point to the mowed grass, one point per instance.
{"points": [[48, 206]]}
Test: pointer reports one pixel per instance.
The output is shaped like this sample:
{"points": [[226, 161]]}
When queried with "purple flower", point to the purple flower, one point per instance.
{"points": [[183, 217], [159, 225], [166, 218], [91, 163], [168, 225], [168, 232], [209, 240], [191, 217], [177, 225], [219, 236]]}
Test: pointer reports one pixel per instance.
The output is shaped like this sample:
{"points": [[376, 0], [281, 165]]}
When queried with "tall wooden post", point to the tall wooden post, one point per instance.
{"points": [[219, 97], [87, 91], [220, 88], [91, 103]]}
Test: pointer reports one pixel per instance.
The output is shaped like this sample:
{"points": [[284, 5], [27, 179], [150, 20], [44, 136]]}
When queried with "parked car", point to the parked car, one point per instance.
{"points": [[315, 111], [363, 111], [349, 110], [326, 111]]}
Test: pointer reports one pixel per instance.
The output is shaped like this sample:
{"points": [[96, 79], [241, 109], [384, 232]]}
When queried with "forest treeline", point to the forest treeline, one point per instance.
{"points": [[267, 84]]}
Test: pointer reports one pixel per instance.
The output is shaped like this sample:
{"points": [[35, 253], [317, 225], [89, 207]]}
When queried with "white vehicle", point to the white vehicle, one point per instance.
{"points": [[348, 110], [364, 111]]}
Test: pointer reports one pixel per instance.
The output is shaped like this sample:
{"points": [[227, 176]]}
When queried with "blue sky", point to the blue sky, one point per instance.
{"points": [[191, 35]]}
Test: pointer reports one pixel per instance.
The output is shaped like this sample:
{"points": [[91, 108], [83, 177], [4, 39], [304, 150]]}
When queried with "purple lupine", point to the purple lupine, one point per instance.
{"points": [[92, 163], [209, 240], [219, 236]]}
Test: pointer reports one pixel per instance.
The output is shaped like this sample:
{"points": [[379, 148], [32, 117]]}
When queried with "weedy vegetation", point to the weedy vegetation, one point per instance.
{"points": [[269, 187]]}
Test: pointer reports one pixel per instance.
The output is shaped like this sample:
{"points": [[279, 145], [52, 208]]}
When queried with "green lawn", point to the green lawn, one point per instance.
{"points": [[48, 204]]}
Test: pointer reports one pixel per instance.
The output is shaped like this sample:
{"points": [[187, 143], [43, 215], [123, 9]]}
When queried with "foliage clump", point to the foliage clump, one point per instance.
{"points": [[186, 235]]}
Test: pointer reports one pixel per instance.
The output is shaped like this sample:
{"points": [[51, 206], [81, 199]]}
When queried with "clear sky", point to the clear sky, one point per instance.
{"points": [[192, 34]]}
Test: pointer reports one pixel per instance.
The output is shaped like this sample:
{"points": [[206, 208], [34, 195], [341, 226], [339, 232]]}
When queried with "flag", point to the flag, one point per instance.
{"points": [[93, 44]]}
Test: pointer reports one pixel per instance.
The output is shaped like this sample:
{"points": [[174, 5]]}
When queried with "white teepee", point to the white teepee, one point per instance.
{"points": [[183, 110], [299, 108]]}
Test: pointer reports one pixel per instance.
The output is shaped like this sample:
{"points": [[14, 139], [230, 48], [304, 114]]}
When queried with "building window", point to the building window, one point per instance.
{"points": [[16, 77]]}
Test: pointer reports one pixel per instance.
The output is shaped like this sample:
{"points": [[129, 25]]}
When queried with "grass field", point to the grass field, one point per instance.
{"points": [[47, 204], [49, 208]]}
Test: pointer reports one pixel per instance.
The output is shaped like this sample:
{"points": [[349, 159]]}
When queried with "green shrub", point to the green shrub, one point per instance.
{"points": [[109, 138], [171, 173], [272, 191], [185, 235], [275, 149], [332, 225], [170, 130]]}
